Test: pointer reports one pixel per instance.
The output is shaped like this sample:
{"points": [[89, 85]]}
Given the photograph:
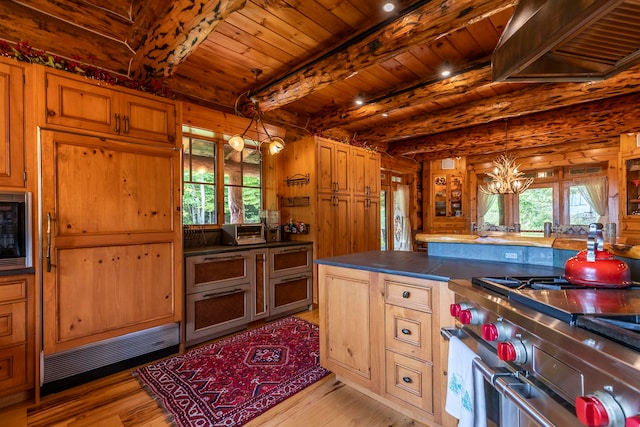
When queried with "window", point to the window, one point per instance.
{"points": [[580, 210], [199, 198], [535, 207], [242, 184], [216, 175]]}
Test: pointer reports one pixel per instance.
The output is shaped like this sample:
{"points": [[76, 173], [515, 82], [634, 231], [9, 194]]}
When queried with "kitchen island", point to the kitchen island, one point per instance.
{"points": [[380, 319]]}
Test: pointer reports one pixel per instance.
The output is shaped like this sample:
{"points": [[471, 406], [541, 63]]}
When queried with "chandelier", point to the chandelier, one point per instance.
{"points": [[276, 144], [506, 178]]}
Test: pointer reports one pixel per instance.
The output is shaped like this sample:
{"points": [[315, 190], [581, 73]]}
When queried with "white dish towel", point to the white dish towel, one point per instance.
{"points": [[465, 391]]}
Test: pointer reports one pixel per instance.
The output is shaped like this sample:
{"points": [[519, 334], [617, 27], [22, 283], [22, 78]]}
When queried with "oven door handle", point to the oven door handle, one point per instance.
{"points": [[507, 384]]}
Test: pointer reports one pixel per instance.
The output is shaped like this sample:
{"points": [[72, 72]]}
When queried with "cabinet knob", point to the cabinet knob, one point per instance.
{"points": [[406, 331], [50, 113], [406, 294], [407, 380]]}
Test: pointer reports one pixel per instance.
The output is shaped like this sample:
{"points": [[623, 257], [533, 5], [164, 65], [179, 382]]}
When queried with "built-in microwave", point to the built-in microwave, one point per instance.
{"points": [[15, 230]]}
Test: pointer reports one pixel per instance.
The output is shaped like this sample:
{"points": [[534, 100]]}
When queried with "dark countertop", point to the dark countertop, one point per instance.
{"points": [[420, 265], [208, 250]]}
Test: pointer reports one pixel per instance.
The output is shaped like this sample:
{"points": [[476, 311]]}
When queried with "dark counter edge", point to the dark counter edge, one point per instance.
{"points": [[208, 250], [423, 266]]}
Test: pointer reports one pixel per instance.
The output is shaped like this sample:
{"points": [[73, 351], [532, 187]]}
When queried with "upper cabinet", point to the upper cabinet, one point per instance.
{"points": [[12, 119], [76, 103], [449, 208], [629, 186]]}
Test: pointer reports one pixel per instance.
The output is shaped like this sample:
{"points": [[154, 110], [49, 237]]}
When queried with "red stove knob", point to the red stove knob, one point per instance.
{"points": [[600, 409], [454, 309], [467, 316], [633, 421], [490, 332], [512, 351]]}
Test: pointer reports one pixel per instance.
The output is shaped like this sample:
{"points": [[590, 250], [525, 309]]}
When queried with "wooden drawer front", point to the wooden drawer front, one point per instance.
{"points": [[410, 380], [290, 260], [291, 293], [406, 295], [13, 323], [13, 290], [214, 271], [13, 367], [213, 312], [408, 331]]}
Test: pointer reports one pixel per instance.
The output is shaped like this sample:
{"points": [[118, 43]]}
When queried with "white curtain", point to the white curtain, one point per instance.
{"points": [[596, 193], [401, 221], [485, 202]]}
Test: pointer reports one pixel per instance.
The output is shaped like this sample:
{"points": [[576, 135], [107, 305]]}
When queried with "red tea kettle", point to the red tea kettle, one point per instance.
{"points": [[595, 267]]}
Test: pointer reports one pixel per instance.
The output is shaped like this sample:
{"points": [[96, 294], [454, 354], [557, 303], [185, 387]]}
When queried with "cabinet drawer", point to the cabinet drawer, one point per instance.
{"points": [[407, 295], [13, 367], [290, 260], [208, 272], [409, 380], [11, 291], [13, 322], [212, 313], [408, 332], [290, 293]]}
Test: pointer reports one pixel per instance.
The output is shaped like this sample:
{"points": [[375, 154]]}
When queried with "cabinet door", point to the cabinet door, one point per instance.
{"points": [[79, 105], [12, 164], [334, 228], [365, 224], [333, 167], [261, 292], [365, 167], [349, 325], [146, 118], [290, 294], [115, 232]]}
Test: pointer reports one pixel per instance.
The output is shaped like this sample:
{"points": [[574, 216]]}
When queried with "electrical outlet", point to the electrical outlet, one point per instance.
{"points": [[511, 255]]}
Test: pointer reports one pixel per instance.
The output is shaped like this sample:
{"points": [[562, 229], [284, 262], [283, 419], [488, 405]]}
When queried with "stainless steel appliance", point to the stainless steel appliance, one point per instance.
{"points": [[243, 234], [15, 230], [543, 361]]}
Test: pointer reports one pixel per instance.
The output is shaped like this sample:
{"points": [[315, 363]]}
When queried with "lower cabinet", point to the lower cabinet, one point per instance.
{"points": [[17, 338], [227, 290], [380, 333]]}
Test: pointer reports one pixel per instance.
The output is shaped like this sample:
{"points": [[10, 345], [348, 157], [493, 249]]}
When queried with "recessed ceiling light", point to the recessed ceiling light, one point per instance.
{"points": [[359, 100], [388, 7], [385, 114], [445, 73]]}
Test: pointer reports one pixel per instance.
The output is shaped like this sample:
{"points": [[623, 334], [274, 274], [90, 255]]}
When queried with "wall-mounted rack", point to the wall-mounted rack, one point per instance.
{"points": [[294, 201], [298, 179]]}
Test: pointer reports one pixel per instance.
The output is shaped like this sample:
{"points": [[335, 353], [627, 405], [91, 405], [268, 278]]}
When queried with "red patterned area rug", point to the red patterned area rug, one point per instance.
{"points": [[232, 381]]}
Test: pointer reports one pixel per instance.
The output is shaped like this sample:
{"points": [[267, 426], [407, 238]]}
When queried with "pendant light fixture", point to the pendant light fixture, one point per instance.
{"points": [[276, 143], [506, 178]]}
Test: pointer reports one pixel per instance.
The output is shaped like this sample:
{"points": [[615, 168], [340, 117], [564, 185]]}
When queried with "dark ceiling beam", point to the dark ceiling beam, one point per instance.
{"points": [[174, 32], [591, 121], [421, 25], [535, 98], [44, 32]]}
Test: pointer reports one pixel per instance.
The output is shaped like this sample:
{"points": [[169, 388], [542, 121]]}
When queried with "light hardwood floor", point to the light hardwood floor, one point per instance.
{"points": [[119, 400]]}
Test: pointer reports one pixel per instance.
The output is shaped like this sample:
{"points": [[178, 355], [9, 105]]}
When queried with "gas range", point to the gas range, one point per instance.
{"points": [[575, 346]]}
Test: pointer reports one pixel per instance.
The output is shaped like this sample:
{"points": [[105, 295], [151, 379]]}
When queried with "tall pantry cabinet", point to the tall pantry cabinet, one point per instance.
{"points": [[334, 188], [111, 225]]}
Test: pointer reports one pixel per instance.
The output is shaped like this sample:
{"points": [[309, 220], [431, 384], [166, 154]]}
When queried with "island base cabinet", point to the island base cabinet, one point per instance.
{"points": [[349, 325], [379, 333]]}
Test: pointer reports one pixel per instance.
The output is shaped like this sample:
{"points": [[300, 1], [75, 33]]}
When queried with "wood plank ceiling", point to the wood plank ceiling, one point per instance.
{"points": [[316, 56]]}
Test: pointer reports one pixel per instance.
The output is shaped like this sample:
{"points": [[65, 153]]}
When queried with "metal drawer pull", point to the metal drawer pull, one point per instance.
{"points": [[293, 279], [293, 250], [221, 294], [116, 118], [407, 380], [223, 259], [406, 294], [406, 331]]}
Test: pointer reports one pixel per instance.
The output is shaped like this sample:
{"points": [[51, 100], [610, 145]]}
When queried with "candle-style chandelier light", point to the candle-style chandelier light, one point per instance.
{"points": [[506, 178]]}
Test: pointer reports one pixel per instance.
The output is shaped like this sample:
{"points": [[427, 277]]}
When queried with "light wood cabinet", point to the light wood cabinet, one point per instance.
{"points": [[12, 123], [111, 217], [350, 324], [79, 104], [17, 337], [629, 187], [448, 209], [341, 199], [379, 333]]}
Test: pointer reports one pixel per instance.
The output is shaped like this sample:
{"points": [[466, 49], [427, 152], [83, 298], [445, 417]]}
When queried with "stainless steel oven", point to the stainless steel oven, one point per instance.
{"points": [[15, 230], [540, 366]]}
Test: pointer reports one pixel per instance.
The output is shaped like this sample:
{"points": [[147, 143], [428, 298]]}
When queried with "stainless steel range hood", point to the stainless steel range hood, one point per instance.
{"points": [[568, 40]]}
